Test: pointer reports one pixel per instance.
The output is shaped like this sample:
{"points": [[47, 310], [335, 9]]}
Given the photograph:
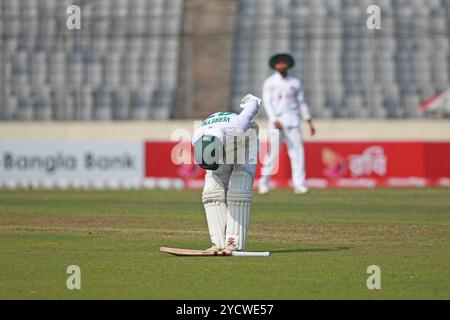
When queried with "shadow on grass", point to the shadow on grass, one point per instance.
{"points": [[310, 250]]}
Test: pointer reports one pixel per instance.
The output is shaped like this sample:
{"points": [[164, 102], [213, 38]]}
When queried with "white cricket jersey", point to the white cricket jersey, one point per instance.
{"points": [[284, 100], [221, 124]]}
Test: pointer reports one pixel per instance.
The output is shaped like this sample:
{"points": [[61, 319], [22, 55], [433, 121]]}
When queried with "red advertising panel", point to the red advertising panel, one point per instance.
{"points": [[328, 164], [437, 163], [172, 160], [366, 164]]}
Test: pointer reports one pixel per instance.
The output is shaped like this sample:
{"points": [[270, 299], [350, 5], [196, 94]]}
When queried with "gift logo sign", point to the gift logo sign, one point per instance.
{"points": [[371, 161], [335, 164]]}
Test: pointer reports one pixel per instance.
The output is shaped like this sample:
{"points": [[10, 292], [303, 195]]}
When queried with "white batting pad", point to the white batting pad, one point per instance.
{"points": [[215, 207], [239, 204]]}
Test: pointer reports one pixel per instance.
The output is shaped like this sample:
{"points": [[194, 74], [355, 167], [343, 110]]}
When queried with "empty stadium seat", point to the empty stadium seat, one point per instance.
{"points": [[124, 62], [346, 69], [108, 70]]}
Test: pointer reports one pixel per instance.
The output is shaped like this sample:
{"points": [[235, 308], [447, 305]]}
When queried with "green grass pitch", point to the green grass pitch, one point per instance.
{"points": [[321, 244]]}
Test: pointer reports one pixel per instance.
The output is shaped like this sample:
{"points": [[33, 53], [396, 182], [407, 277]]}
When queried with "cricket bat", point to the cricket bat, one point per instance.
{"points": [[207, 253]]}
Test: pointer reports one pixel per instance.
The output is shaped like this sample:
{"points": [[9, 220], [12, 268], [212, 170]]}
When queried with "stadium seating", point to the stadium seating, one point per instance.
{"points": [[117, 67], [124, 62], [346, 69]]}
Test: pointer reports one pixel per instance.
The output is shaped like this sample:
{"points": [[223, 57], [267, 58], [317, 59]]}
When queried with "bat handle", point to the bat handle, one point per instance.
{"points": [[250, 254]]}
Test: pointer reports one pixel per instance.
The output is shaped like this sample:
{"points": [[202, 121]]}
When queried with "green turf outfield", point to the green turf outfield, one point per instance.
{"points": [[321, 244]]}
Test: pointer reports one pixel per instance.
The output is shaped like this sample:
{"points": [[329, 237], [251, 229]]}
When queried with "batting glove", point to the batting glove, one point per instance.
{"points": [[249, 97]]}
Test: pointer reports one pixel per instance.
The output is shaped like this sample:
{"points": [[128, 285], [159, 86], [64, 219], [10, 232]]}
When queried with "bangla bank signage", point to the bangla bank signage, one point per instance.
{"points": [[71, 160]]}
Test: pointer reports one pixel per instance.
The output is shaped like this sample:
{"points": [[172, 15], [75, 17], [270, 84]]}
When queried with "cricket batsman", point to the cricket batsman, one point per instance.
{"points": [[226, 146], [284, 103]]}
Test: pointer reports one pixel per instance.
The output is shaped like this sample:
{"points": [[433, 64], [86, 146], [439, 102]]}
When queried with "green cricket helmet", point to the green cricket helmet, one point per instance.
{"points": [[208, 152]]}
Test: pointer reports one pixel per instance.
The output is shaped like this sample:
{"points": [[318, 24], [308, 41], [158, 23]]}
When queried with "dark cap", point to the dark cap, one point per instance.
{"points": [[281, 56]]}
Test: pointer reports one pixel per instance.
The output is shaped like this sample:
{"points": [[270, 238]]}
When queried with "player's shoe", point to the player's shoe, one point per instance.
{"points": [[263, 189], [300, 190], [231, 247], [214, 248]]}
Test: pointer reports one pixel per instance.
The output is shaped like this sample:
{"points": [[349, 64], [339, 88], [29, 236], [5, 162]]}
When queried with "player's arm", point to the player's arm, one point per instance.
{"points": [[268, 106], [304, 110], [251, 105]]}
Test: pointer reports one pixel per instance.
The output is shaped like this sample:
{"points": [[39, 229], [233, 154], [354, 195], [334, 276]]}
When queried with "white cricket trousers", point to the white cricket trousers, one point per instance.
{"points": [[293, 137]]}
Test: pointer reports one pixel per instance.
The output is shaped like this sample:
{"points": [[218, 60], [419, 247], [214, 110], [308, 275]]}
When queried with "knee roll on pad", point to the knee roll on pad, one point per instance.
{"points": [[214, 189], [241, 185]]}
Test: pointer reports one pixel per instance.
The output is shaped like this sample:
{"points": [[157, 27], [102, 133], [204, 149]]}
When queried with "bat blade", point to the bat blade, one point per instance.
{"points": [[194, 253]]}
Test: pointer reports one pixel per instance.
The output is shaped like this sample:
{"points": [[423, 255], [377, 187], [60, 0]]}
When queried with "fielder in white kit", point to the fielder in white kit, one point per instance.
{"points": [[227, 194], [284, 103]]}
